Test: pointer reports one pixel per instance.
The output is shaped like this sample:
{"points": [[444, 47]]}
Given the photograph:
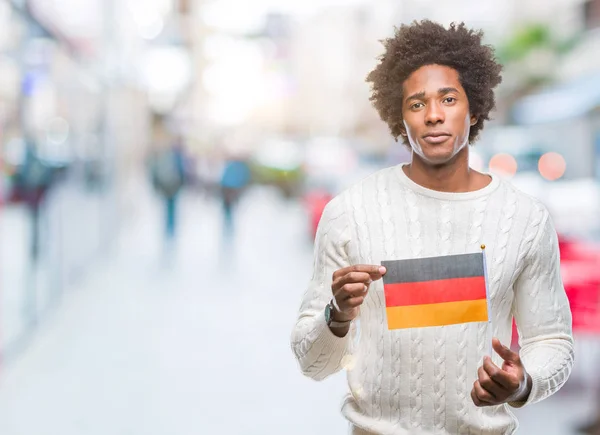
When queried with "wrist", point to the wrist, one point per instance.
{"points": [[338, 315], [334, 317], [524, 390]]}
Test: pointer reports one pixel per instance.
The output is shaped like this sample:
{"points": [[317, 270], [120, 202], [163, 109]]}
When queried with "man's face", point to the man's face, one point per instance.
{"points": [[436, 113]]}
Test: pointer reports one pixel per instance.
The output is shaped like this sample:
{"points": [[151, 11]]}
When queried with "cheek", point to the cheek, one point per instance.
{"points": [[463, 122], [407, 126]]}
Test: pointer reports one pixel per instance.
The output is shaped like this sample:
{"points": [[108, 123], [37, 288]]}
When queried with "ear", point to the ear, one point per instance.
{"points": [[474, 120]]}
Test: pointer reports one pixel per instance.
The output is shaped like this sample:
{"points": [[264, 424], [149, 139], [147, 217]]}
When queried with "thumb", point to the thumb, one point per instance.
{"points": [[377, 272], [503, 351]]}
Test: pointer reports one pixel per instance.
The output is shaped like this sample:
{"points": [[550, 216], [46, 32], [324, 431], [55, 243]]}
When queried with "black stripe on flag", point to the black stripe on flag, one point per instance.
{"points": [[433, 268]]}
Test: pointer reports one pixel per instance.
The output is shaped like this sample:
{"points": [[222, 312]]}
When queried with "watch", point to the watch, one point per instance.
{"points": [[329, 308]]}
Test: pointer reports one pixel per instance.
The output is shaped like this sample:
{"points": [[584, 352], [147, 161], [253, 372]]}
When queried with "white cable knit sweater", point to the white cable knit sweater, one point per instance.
{"points": [[418, 381]]}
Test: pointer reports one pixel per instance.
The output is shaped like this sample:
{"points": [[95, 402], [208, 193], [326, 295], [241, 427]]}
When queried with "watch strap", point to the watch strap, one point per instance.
{"points": [[332, 323]]}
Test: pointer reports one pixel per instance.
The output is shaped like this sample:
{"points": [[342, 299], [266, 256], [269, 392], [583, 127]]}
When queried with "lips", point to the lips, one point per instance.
{"points": [[436, 137]]}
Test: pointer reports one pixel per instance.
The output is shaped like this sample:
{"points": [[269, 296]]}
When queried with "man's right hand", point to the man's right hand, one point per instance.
{"points": [[350, 287]]}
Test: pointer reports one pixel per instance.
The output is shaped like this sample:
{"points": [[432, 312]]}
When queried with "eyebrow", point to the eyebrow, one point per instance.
{"points": [[444, 91], [421, 95]]}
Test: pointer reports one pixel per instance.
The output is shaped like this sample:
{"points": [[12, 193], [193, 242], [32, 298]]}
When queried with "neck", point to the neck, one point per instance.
{"points": [[453, 176]]}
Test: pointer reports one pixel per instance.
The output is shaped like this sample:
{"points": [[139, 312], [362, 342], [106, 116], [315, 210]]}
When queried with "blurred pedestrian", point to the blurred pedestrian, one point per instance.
{"points": [[234, 180], [32, 181], [434, 87], [168, 177]]}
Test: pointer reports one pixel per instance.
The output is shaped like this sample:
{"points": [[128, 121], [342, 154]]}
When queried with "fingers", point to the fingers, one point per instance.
{"points": [[351, 278], [498, 377], [378, 274], [348, 307], [375, 271], [350, 290], [354, 302], [350, 286], [504, 352], [480, 396], [488, 384], [350, 296]]}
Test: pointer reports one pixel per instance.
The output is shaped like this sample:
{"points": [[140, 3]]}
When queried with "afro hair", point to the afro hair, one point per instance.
{"points": [[427, 43]]}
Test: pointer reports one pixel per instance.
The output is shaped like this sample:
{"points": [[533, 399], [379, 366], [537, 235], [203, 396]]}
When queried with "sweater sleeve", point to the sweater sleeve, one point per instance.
{"points": [[318, 351], [543, 317]]}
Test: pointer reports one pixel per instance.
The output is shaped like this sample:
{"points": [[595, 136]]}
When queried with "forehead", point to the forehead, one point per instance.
{"points": [[430, 78]]}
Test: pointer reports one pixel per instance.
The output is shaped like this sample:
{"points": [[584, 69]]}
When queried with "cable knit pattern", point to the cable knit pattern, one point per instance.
{"points": [[475, 240], [439, 353], [506, 226], [389, 239], [418, 381], [499, 309], [362, 236], [534, 308], [416, 371], [312, 341]]}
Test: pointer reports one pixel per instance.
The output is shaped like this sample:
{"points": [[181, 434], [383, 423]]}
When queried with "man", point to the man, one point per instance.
{"points": [[167, 168], [434, 88]]}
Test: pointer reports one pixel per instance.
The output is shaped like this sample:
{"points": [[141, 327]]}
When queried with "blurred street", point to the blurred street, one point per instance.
{"points": [[164, 165], [150, 345], [195, 340]]}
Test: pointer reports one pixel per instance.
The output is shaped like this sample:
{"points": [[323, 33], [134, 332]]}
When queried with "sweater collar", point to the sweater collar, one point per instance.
{"points": [[447, 196]]}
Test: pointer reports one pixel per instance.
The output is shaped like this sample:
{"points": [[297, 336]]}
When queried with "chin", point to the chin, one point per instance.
{"points": [[437, 157]]}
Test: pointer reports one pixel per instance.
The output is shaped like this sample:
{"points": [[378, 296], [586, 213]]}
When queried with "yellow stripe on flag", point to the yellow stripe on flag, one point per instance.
{"points": [[446, 313]]}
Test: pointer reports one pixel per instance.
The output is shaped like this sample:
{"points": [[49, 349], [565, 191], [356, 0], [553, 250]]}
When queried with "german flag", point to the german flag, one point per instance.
{"points": [[435, 291]]}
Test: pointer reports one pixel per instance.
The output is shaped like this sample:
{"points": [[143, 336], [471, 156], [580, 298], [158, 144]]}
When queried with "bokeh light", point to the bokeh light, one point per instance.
{"points": [[503, 164], [552, 166]]}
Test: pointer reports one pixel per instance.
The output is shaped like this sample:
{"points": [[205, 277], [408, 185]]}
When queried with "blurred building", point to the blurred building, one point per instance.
{"points": [[563, 115], [79, 85]]}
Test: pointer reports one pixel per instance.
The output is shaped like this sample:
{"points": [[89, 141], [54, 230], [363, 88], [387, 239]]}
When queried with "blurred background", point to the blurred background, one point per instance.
{"points": [[164, 164]]}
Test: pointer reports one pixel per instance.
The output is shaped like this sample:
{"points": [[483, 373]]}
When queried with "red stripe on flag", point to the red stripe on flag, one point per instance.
{"points": [[435, 292]]}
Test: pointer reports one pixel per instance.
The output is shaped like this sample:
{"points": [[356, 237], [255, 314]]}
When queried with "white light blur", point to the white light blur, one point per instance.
{"points": [[248, 16], [224, 80], [15, 151], [57, 131], [5, 17], [217, 46], [166, 72], [281, 154], [236, 82], [331, 156], [149, 16], [149, 23], [151, 30], [141, 8], [228, 112], [166, 69], [75, 18], [476, 161]]}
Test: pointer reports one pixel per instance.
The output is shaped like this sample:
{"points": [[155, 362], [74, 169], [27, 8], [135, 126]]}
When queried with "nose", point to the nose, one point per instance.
{"points": [[434, 114]]}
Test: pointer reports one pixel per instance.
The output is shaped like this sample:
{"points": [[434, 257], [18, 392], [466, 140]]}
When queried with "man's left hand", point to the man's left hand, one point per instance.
{"points": [[495, 385]]}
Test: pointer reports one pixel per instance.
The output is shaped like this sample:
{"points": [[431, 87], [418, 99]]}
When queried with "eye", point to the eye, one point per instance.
{"points": [[416, 106], [449, 99]]}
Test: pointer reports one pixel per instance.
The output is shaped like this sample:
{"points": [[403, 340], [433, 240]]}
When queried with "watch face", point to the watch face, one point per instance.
{"points": [[328, 313]]}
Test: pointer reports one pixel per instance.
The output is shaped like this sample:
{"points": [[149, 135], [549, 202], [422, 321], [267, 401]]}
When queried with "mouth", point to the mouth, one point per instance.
{"points": [[436, 137]]}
